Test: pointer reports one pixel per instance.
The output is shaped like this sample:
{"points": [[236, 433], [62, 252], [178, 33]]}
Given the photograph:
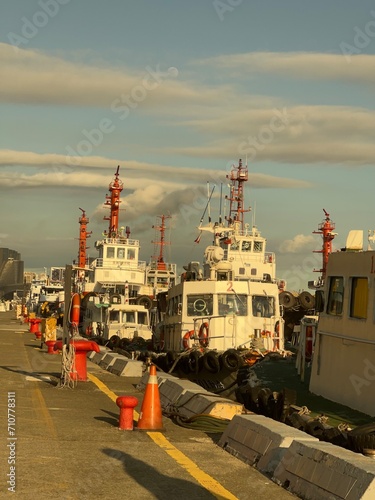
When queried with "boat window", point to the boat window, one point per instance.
{"points": [[114, 316], [246, 246], [120, 253], [263, 306], [234, 245], [142, 318], [199, 305], [335, 295], [110, 252], [130, 317], [359, 298], [258, 246], [131, 253], [230, 303]]}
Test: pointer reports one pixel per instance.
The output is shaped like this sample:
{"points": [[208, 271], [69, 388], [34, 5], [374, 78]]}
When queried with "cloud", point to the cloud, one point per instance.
{"points": [[301, 134], [53, 80], [298, 244], [303, 65]]}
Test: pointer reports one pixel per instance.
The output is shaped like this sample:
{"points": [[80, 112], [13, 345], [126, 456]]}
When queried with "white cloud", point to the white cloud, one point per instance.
{"points": [[306, 65], [298, 244]]}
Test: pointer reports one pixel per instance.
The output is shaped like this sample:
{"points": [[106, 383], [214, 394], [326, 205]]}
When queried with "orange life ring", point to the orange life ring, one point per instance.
{"points": [[203, 334], [75, 309], [186, 338]]}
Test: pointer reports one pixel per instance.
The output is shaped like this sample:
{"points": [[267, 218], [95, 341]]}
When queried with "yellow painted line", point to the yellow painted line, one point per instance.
{"points": [[210, 484], [37, 395]]}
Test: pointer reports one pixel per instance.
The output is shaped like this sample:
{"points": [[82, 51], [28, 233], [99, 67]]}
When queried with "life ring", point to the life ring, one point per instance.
{"points": [[186, 338], [75, 309], [266, 333], [203, 334]]}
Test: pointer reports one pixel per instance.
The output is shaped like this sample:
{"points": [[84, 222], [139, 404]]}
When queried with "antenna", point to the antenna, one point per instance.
{"points": [[207, 205], [221, 198]]}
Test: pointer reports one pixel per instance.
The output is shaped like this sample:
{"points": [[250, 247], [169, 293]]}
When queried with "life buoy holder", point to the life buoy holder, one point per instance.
{"points": [[186, 338], [203, 334]]}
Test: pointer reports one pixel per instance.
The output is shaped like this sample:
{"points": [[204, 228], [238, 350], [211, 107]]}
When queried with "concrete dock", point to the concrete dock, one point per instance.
{"points": [[64, 442]]}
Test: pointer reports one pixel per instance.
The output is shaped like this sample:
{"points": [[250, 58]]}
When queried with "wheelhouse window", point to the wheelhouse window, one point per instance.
{"points": [[110, 252], [258, 246], [230, 303], [200, 305], [142, 318], [131, 253], [335, 295], [263, 306], [246, 246], [359, 298], [114, 316]]}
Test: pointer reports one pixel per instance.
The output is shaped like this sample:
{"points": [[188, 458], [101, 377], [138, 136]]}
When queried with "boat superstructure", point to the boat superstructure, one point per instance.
{"points": [[232, 301], [343, 368]]}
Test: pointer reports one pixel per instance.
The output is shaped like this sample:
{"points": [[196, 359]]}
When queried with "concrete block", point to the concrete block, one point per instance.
{"points": [[95, 357], [108, 359], [260, 441], [324, 471], [125, 367], [191, 399]]}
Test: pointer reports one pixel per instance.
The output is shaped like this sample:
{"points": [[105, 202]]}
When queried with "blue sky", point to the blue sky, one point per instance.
{"points": [[175, 92]]}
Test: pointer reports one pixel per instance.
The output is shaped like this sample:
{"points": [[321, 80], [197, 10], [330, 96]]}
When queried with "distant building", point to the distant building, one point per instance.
{"points": [[11, 273]]}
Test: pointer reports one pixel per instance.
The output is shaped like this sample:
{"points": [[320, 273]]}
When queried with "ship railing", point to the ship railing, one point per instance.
{"points": [[120, 264], [116, 241], [154, 266]]}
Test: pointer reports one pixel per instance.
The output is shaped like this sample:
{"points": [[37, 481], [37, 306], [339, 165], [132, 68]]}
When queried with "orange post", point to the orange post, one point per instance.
{"points": [[150, 417]]}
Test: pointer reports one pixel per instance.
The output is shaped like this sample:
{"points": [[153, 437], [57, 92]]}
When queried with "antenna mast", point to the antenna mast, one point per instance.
{"points": [[160, 258], [237, 176], [83, 235], [113, 201], [325, 228]]}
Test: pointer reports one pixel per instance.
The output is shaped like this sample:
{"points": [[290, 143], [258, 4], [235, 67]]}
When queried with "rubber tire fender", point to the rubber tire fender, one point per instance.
{"points": [[211, 362]]}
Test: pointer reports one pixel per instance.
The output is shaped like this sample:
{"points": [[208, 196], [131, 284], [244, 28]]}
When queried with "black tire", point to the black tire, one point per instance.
{"points": [[307, 300], [287, 299], [231, 360], [145, 301], [114, 341], [123, 343], [194, 357], [211, 362]]}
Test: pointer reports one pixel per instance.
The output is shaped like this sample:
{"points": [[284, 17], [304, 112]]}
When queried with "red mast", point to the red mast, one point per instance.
{"points": [[237, 176], [325, 228], [160, 259], [113, 201], [83, 235]]}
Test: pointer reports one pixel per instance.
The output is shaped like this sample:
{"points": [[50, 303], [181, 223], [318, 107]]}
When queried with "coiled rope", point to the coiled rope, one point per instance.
{"points": [[68, 367]]}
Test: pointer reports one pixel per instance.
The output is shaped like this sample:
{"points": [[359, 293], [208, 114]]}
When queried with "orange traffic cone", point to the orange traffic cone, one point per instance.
{"points": [[150, 417]]}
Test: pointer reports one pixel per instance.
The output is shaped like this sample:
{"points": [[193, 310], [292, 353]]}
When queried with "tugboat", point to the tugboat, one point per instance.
{"points": [[116, 299], [214, 318]]}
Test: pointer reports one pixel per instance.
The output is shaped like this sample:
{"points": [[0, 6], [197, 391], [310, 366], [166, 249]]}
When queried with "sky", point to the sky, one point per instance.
{"points": [[175, 92]]}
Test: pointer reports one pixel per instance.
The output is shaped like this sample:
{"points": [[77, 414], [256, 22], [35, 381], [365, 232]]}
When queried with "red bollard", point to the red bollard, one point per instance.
{"points": [[50, 347], [34, 327], [126, 405], [82, 347]]}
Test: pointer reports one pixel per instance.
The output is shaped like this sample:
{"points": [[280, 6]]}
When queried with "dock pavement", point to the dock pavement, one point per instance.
{"points": [[61, 442]]}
